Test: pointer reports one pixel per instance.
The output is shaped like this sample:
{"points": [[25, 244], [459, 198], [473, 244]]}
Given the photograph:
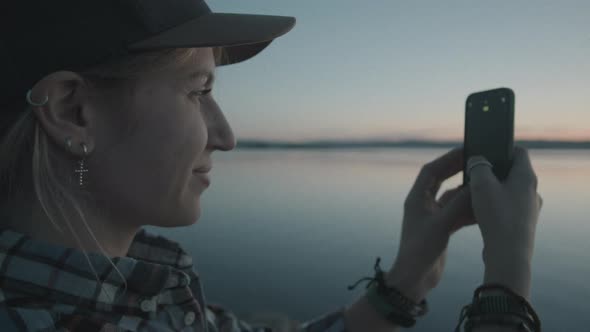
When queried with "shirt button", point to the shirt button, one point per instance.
{"points": [[148, 305], [171, 282], [189, 318], [184, 281]]}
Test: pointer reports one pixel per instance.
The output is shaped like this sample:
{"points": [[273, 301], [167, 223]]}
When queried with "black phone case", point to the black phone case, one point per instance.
{"points": [[490, 133]]}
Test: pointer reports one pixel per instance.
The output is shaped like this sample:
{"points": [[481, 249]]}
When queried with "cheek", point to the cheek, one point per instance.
{"points": [[176, 121], [178, 137], [131, 191], [195, 128], [151, 167], [200, 136]]}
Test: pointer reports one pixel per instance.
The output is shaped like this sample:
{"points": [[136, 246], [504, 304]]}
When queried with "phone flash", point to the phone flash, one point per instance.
{"points": [[486, 108]]}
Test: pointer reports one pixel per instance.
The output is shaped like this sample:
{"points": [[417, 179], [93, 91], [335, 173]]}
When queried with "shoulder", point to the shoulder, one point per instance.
{"points": [[20, 319], [22, 313]]}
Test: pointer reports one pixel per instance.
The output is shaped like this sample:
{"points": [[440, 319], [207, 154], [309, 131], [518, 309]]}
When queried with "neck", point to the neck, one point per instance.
{"points": [[115, 238]]}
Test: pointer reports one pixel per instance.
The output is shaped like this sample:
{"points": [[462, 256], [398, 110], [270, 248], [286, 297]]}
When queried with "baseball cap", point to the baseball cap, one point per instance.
{"points": [[38, 37]]}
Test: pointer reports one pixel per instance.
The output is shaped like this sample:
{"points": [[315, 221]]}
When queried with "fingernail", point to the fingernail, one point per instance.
{"points": [[473, 159]]}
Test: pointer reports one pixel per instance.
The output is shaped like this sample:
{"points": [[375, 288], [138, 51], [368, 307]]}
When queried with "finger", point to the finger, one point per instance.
{"points": [[540, 201], [457, 212], [433, 174], [463, 222], [522, 169], [481, 178], [464, 217], [447, 196]]}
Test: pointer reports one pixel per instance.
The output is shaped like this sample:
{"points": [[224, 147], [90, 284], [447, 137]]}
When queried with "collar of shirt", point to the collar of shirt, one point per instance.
{"points": [[157, 271]]}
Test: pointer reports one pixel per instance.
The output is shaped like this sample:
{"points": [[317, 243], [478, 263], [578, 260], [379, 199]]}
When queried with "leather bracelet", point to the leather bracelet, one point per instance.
{"points": [[389, 302], [390, 312]]}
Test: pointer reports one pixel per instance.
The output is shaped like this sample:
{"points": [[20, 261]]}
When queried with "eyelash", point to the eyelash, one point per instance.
{"points": [[201, 93]]}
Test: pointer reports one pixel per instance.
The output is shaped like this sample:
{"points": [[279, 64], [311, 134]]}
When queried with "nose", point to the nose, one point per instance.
{"points": [[221, 136]]}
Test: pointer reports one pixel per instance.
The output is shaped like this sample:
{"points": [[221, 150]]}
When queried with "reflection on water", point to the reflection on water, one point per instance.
{"points": [[289, 230]]}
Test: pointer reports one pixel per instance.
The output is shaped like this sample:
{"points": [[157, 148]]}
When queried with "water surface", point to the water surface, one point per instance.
{"points": [[288, 230]]}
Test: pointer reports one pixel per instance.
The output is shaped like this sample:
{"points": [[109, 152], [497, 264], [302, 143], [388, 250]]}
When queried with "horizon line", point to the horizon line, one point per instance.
{"points": [[408, 143], [401, 140]]}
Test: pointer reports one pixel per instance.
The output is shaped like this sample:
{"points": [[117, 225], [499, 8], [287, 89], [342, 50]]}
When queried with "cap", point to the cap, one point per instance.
{"points": [[38, 37]]}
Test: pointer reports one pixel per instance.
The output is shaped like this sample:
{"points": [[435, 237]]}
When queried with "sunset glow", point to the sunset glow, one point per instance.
{"points": [[395, 70]]}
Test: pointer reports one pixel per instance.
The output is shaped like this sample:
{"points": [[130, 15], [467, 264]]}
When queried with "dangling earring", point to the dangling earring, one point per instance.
{"points": [[81, 167]]}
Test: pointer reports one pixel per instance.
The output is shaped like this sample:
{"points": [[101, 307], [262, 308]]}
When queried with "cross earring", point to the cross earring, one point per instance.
{"points": [[81, 167]]}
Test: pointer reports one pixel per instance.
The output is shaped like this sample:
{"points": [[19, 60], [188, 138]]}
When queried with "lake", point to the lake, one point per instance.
{"points": [[288, 230]]}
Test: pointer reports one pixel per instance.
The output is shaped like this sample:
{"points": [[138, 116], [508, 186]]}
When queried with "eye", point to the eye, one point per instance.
{"points": [[201, 92]]}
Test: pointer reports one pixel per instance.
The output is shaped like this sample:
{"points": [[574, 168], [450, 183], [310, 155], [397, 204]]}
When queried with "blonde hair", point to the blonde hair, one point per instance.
{"points": [[28, 166]]}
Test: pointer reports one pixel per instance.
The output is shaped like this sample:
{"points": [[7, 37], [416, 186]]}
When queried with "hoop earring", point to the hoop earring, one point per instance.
{"points": [[32, 103]]}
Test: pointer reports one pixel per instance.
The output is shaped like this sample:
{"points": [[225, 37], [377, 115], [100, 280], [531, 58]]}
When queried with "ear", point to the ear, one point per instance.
{"points": [[66, 113]]}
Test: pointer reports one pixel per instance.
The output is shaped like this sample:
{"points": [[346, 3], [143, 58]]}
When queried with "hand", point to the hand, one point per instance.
{"points": [[507, 214], [428, 225]]}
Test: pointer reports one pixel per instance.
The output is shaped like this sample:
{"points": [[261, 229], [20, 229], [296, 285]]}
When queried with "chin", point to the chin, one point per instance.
{"points": [[187, 217], [182, 223]]}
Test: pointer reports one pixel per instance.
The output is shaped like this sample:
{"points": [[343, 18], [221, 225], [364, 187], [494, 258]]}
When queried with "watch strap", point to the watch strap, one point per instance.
{"points": [[490, 304]]}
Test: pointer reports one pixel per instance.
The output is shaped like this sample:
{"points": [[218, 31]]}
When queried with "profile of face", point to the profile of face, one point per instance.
{"points": [[148, 178], [145, 177]]}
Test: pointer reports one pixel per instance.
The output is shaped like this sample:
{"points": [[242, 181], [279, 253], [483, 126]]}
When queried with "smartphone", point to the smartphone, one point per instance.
{"points": [[489, 130]]}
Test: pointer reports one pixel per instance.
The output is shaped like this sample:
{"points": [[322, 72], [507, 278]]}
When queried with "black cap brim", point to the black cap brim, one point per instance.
{"points": [[241, 35]]}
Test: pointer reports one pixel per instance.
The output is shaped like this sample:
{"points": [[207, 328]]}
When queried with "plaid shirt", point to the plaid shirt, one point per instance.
{"points": [[44, 287]]}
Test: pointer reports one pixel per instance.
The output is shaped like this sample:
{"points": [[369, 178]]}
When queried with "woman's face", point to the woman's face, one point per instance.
{"points": [[147, 178]]}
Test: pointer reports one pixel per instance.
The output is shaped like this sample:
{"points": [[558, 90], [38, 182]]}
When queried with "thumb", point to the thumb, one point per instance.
{"points": [[482, 180]]}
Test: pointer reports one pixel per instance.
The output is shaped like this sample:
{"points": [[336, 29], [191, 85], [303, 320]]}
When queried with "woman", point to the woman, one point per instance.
{"points": [[109, 124]]}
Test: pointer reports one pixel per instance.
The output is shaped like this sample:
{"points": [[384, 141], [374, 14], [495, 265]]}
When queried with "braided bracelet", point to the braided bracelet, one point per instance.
{"points": [[389, 302]]}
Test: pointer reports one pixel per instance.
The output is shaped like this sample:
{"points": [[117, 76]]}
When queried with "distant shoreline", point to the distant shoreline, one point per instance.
{"points": [[327, 144]]}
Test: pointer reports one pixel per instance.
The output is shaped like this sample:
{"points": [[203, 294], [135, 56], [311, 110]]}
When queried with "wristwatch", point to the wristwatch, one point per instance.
{"points": [[502, 306]]}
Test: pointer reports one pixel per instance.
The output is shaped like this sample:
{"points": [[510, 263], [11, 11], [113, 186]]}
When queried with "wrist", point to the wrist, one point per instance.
{"points": [[512, 274], [362, 316], [410, 287], [515, 254], [496, 305]]}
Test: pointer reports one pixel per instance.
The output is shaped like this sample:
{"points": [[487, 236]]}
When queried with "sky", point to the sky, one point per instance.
{"points": [[385, 69]]}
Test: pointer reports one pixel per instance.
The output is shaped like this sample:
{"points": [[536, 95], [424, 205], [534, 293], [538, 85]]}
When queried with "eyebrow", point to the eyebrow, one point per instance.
{"points": [[198, 74]]}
